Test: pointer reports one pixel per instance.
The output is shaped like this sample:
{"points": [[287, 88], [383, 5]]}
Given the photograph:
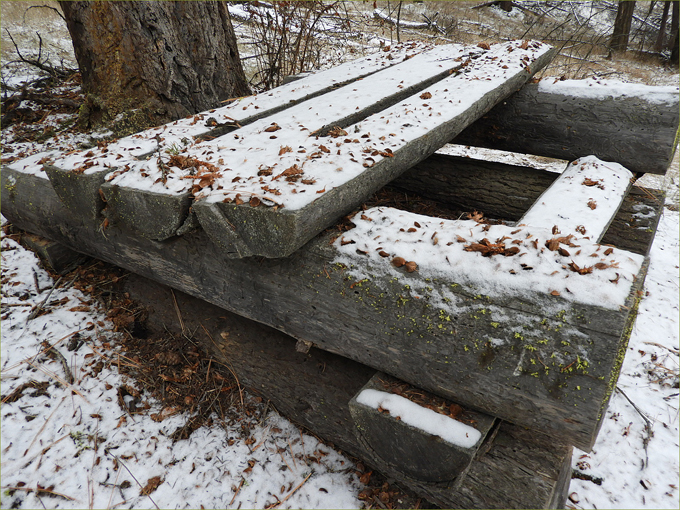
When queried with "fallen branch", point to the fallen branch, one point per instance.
{"points": [[649, 433]]}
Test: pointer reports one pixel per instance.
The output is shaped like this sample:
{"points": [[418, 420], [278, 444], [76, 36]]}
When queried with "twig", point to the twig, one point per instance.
{"points": [[40, 491], [43, 426], [34, 313], [291, 492], [240, 390], [179, 313], [59, 380], [238, 489], [648, 426], [133, 476], [53, 353]]}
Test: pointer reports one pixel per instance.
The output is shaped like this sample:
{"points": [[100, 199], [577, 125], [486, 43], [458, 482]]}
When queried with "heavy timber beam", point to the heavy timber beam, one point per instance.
{"points": [[310, 298], [515, 467], [639, 132]]}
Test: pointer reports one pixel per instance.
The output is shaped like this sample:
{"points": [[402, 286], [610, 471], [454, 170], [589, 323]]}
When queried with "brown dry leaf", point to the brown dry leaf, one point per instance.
{"points": [[580, 270], [325, 149], [524, 45], [592, 204], [80, 308], [615, 280], [461, 239], [476, 215], [151, 485], [425, 95], [554, 293], [308, 181], [254, 202], [555, 230], [238, 200], [284, 149], [608, 251], [563, 252], [272, 128], [484, 46], [398, 261], [343, 242], [410, 266], [602, 265], [337, 131], [508, 252], [321, 191], [383, 253]]}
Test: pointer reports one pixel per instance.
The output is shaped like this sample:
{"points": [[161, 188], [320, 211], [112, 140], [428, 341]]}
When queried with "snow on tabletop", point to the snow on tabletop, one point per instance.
{"points": [[519, 261], [263, 144], [275, 161], [583, 199], [82, 446], [175, 136], [421, 418], [597, 88]]}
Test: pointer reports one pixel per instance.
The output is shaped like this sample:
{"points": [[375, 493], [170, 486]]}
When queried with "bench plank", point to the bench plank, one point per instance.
{"points": [[280, 199], [584, 198], [634, 125]]}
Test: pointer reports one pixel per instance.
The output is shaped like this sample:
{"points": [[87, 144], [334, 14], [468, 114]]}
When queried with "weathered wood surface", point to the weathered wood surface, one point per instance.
{"points": [[408, 448], [637, 132], [506, 192], [249, 208], [515, 467], [310, 298], [585, 198]]}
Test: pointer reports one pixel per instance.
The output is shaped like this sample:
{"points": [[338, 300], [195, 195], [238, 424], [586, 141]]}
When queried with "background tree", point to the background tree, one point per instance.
{"points": [[153, 61], [622, 24]]}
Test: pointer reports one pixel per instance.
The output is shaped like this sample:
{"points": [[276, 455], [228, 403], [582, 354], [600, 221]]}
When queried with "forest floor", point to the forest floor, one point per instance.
{"points": [[90, 427]]}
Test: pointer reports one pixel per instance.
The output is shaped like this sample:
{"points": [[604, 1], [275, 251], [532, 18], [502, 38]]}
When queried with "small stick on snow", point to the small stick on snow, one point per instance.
{"points": [[44, 424], [291, 492], [38, 491], [34, 313], [648, 425], [133, 476]]}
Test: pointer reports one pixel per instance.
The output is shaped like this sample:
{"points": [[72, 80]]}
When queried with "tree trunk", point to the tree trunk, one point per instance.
{"points": [[164, 60], [658, 45], [624, 18], [674, 33]]}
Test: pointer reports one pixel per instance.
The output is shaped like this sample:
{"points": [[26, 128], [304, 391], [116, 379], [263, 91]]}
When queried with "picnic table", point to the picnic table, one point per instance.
{"points": [[525, 320]]}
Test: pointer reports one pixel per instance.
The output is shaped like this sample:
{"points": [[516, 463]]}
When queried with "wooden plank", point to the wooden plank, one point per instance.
{"points": [[541, 361], [413, 438], [568, 120], [317, 188], [584, 198], [79, 189], [506, 192], [516, 468]]}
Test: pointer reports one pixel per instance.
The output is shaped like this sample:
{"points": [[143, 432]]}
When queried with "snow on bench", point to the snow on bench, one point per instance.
{"points": [[403, 429], [91, 165], [514, 282], [268, 187], [517, 322], [584, 199]]}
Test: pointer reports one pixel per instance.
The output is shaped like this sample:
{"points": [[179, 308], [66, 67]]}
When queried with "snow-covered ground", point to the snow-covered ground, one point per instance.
{"points": [[72, 445]]}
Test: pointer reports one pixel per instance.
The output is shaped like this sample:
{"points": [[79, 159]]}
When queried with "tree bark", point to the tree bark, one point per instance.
{"points": [[624, 18], [658, 45], [674, 33], [165, 59]]}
